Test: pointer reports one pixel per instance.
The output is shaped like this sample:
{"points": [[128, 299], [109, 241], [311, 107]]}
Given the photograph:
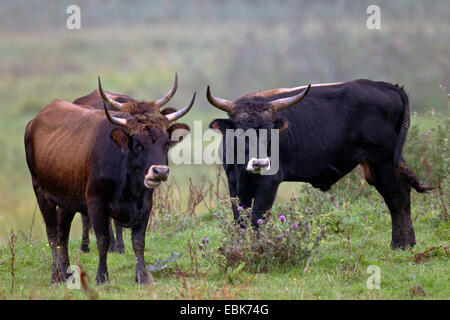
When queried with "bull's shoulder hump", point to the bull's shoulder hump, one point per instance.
{"points": [[275, 92]]}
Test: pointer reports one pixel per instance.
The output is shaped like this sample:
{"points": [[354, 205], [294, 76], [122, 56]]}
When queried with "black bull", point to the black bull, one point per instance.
{"points": [[323, 136]]}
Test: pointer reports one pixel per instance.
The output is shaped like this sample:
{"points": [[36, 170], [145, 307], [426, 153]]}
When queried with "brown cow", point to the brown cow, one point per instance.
{"points": [[122, 102], [82, 161]]}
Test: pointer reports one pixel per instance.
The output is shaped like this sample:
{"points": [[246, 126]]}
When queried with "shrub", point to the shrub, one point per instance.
{"points": [[288, 237]]}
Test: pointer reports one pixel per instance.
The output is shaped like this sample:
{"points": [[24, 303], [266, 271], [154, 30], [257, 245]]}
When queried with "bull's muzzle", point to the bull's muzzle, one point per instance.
{"points": [[255, 165], [155, 175]]}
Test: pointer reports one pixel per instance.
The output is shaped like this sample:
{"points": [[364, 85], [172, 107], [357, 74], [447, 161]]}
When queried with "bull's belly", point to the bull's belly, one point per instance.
{"points": [[322, 177]]}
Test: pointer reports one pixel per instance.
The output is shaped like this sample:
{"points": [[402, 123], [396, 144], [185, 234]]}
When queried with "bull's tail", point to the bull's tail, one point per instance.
{"points": [[403, 128], [406, 172], [412, 179]]}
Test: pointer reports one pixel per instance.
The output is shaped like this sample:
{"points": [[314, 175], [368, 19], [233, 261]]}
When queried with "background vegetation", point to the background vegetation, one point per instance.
{"points": [[237, 47]]}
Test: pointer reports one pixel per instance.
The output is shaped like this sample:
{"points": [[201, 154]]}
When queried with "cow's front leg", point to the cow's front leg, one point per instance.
{"points": [[100, 221], [264, 198], [138, 239]]}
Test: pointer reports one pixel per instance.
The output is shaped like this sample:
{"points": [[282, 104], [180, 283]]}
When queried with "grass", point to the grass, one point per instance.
{"points": [[237, 48], [334, 273]]}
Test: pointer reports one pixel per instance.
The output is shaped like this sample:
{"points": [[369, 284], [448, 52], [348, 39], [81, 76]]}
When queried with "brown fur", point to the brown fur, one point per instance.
{"points": [[65, 126], [130, 105]]}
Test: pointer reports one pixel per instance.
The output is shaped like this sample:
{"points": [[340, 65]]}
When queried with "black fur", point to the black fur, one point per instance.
{"points": [[331, 131]]}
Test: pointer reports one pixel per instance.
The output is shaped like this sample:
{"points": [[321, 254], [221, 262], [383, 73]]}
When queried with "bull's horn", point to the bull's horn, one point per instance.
{"points": [[284, 103], [222, 104], [178, 114], [118, 121], [105, 98], [159, 103]]}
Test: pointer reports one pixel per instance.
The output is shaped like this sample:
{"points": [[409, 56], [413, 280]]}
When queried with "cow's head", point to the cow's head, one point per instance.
{"points": [[252, 113], [146, 138]]}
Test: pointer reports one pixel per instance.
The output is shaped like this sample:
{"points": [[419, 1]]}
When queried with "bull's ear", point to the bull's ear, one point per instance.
{"points": [[280, 124], [120, 138], [177, 132], [221, 124]]}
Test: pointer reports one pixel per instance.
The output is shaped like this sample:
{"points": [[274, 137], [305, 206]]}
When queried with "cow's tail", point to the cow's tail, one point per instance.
{"points": [[406, 172], [28, 149]]}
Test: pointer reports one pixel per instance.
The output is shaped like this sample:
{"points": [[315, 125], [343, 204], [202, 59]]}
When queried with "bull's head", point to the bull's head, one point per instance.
{"points": [[253, 112], [147, 136]]}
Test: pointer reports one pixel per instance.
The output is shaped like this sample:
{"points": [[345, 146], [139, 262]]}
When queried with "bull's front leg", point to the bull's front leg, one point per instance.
{"points": [[264, 198], [138, 239], [119, 246]]}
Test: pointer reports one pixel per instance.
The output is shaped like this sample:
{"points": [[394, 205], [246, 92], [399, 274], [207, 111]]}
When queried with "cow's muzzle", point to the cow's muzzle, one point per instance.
{"points": [[155, 175], [255, 165]]}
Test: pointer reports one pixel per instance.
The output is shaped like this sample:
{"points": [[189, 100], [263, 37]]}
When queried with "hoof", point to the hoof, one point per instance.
{"points": [[403, 244]]}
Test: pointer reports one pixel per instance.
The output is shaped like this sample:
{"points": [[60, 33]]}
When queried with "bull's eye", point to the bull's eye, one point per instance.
{"points": [[139, 147]]}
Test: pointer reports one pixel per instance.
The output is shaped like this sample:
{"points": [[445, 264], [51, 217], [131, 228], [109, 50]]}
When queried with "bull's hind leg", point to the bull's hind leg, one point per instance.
{"points": [[86, 228], [396, 193]]}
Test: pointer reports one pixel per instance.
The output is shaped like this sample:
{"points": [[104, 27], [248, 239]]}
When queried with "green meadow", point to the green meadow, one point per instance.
{"points": [[236, 47]]}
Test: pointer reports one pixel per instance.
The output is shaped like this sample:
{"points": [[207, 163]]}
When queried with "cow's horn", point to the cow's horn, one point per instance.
{"points": [[284, 103], [118, 121], [222, 104], [178, 114], [105, 98], [159, 103]]}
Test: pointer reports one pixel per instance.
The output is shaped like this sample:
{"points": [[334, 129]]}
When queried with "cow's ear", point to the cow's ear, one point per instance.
{"points": [[120, 138], [177, 132], [221, 124], [168, 111], [280, 124]]}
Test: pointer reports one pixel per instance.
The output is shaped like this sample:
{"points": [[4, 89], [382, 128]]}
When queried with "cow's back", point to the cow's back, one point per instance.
{"points": [[58, 145]]}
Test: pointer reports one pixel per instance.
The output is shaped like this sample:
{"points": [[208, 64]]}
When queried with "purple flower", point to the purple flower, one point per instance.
{"points": [[204, 240], [282, 218], [215, 214], [259, 221], [294, 197], [227, 251], [308, 226], [243, 229], [308, 208], [280, 236], [295, 225], [240, 208]]}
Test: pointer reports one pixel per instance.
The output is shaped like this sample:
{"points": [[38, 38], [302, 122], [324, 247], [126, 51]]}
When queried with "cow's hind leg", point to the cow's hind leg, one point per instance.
{"points": [[396, 193], [86, 228], [65, 218], [48, 210]]}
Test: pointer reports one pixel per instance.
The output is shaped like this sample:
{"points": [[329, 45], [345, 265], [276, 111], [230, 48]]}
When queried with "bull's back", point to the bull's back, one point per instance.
{"points": [[58, 144]]}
